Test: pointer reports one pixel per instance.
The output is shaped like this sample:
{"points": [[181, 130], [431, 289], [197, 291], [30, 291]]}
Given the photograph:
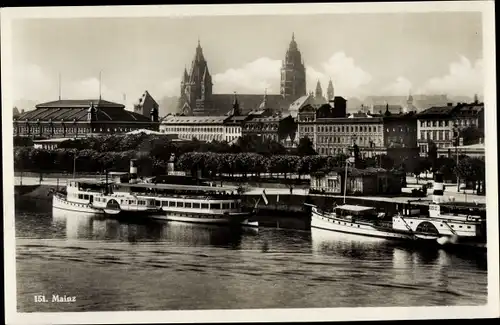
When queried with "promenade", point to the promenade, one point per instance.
{"points": [[451, 191]]}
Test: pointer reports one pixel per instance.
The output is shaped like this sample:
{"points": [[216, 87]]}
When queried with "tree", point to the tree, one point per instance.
{"points": [[432, 154], [471, 135], [305, 147], [446, 166], [471, 170]]}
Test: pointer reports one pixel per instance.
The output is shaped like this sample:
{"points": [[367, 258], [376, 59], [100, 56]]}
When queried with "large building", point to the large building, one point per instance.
{"points": [[81, 118], [442, 124], [197, 98], [203, 128], [332, 131], [278, 128]]}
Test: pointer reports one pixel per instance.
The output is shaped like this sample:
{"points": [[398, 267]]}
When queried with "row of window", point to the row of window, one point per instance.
{"points": [[258, 126], [197, 205], [68, 130], [435, 135], [190, 129], [365, 141], [233, 129], [202, 137], [80, 196], [352, 128], [444, 123]]}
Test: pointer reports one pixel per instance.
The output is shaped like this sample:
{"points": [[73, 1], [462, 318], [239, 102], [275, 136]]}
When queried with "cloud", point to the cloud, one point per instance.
{"points": [[30, 82], [252, 78], [170, 87], [348, 78], [399, 87], [256, 76], [463, 78]]}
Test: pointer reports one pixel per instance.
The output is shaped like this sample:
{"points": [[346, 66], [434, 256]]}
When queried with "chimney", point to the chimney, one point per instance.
{"points": [[133, 171], [450, 104], [438, 188]]}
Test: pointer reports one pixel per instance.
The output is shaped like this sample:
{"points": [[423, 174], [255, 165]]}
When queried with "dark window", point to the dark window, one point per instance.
{"points": [[187, 204], [196, 205], [204, 205], [215, 206], [171, 203]]}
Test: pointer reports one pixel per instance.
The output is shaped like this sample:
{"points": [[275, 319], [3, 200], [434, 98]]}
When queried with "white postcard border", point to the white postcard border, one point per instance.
{"points": [[257, 315]]}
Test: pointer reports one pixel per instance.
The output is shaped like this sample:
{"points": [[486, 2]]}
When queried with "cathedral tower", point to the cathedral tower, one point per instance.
{"points": [[196, 86], [293, 73]]}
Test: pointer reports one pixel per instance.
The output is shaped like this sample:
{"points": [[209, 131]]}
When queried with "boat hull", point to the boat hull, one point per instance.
{"points": [[241, 218], [322, 221], [60, 203]]}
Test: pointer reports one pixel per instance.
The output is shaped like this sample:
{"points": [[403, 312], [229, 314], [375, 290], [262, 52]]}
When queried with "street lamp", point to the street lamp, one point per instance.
{"points": [[456, 138], [74, 164]]}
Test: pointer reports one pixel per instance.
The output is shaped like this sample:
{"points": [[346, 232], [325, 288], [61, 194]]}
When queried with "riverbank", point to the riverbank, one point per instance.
{"points": [[301, 192]]}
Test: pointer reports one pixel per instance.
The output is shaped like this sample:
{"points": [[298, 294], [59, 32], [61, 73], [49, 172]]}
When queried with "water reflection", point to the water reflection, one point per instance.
{"points": [[88, 227], [357, 247]]}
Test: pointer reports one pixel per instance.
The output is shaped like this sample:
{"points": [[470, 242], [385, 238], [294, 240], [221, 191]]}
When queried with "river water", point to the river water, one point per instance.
{"points": [[109, 265]]}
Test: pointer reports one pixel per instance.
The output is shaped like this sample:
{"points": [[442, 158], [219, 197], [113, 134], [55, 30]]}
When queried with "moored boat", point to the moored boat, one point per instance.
{"points": [[358, 220], [198, 204], [445, 223]]}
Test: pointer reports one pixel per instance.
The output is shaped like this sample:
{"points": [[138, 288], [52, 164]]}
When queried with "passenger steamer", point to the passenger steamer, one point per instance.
{"points": [[173, 200], [100, 197], [196, 203], [445, 223]]}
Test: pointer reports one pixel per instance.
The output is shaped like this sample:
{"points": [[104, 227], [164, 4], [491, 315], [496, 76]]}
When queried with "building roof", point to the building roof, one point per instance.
{"points": [[236, 119], [146, 100], [173, 119], [436, 111], [77, 110], [301, 101], [54, 140], [354, 208], [79, 103], [468, 110], [146, 131], [393, 109], [349, 120], [475, 147], [267, 119], [248, 102]]}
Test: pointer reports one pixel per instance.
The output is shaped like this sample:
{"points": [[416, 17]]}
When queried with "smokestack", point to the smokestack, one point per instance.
{"points": [[133, 171], [438, 188]]}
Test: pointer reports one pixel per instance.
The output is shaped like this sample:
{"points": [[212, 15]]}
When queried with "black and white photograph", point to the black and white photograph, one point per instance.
{"points": [[239, 162]]}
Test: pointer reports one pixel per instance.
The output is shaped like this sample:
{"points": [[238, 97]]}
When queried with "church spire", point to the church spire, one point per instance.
{"points": [[236, 106], [319, 91], [293, 44], [199, 52], [330, 91], [185, 77], [263, 105]]}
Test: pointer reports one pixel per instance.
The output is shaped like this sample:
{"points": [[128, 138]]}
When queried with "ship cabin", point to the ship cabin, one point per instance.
{"points": [[357, 212], [458, 212], [190, 197], [83, 191]]}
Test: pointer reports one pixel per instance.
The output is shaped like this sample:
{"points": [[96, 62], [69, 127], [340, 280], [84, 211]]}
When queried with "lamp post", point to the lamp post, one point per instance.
{"points": [[456, 137], [74, 165]]}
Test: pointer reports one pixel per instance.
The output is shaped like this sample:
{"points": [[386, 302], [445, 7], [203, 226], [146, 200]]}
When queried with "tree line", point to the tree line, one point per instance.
{"points": [[249, 155]]}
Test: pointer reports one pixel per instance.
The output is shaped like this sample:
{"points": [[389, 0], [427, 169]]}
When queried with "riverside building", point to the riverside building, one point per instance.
{"points": [[81, 118], [442, 124]]}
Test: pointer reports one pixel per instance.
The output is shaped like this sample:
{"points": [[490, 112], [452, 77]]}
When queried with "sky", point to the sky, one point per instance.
{"points": [[363, 54]]}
